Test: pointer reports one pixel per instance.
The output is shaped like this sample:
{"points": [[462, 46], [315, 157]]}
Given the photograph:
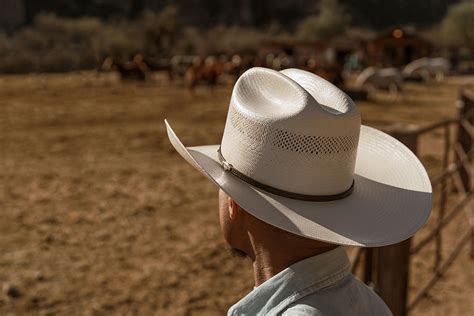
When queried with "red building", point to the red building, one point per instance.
{"points": [[397, 47]]}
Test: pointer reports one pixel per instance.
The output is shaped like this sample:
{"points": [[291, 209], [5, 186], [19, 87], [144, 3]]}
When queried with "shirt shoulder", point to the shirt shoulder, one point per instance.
{"points": [[348, 297], [302, 310]]}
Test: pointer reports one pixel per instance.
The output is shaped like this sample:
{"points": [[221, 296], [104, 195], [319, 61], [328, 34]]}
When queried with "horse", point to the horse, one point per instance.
{"points": [[203, 71], [136, 69], [427, 69], [388, 79]]}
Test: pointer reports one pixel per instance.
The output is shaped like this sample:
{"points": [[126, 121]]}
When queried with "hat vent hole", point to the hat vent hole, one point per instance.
{"points": [[288, 140]]}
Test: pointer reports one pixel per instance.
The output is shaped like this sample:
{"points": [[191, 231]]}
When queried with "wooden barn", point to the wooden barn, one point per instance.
{"points": [[397, 47]]}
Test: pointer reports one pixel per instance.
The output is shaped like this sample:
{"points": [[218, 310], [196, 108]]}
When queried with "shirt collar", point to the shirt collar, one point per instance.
{"points": [[298, 280]]}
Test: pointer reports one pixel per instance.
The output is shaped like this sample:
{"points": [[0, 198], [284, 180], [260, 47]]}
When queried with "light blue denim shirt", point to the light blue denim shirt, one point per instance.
{"points": [[319, 285]]}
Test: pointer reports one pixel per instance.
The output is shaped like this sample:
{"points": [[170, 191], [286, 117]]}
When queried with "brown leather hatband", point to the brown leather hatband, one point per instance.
{"points": [[291, 195]]}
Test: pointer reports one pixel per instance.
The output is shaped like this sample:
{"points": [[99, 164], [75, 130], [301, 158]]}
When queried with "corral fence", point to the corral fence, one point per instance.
{"points": [[387, 268]]}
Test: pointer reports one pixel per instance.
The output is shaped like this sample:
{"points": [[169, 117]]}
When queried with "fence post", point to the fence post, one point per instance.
{"points": [[393, 261], [466, 143], [369, 267], [463, 137]]}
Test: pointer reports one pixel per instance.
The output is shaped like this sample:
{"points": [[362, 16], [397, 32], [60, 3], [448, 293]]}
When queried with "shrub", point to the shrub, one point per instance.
{"points": [[52, 44], [234, 39], [56, 44], [457, 27], [332, 20]]}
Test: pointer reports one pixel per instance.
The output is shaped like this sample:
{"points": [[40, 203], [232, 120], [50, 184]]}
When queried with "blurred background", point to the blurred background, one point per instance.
{"points": [[99, 215]]}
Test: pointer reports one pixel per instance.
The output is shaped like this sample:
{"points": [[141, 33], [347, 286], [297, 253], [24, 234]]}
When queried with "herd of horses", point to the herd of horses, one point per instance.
{"points": [[211, 70], [193, 70]]}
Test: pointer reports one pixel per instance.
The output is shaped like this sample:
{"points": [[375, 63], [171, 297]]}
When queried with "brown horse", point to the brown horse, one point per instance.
{"points": [[207, 72], [160, 65], [136, 69]]}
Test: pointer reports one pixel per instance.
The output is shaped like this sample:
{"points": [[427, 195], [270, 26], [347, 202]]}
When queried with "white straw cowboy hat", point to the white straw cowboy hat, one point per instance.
{"points": [[294, 154]]}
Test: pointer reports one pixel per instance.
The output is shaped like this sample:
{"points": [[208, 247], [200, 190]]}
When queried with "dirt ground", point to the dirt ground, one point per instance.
{"points": [[99, 215]]}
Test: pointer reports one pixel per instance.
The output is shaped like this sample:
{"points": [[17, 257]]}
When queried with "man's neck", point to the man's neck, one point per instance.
{"points": [[269, 262]]}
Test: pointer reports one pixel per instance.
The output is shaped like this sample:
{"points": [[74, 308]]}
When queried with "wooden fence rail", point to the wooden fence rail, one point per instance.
{"points": [[443, 222], [440, 271], [387, 268]]}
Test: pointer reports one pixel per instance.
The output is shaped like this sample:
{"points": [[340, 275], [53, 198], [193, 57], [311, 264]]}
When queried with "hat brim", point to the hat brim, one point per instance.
{"points": [[391, 199]]}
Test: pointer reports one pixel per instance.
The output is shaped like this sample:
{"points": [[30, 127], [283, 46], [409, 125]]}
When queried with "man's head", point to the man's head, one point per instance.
{"points": [[296, 154], [246, 234]]}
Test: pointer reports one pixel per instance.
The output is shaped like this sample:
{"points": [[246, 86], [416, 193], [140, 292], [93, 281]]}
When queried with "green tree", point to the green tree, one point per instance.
{"points": [[332, 20], [457, 27]]}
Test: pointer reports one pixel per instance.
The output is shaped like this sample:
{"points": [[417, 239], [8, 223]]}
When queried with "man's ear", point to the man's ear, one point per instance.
{"points": [[235, 211]]}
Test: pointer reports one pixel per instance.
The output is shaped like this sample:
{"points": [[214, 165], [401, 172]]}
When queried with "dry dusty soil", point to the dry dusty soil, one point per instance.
{"points": [[99, 215]]}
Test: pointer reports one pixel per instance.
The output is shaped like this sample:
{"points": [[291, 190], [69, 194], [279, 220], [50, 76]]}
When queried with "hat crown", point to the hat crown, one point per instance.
{"points": [[292, 130]]}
